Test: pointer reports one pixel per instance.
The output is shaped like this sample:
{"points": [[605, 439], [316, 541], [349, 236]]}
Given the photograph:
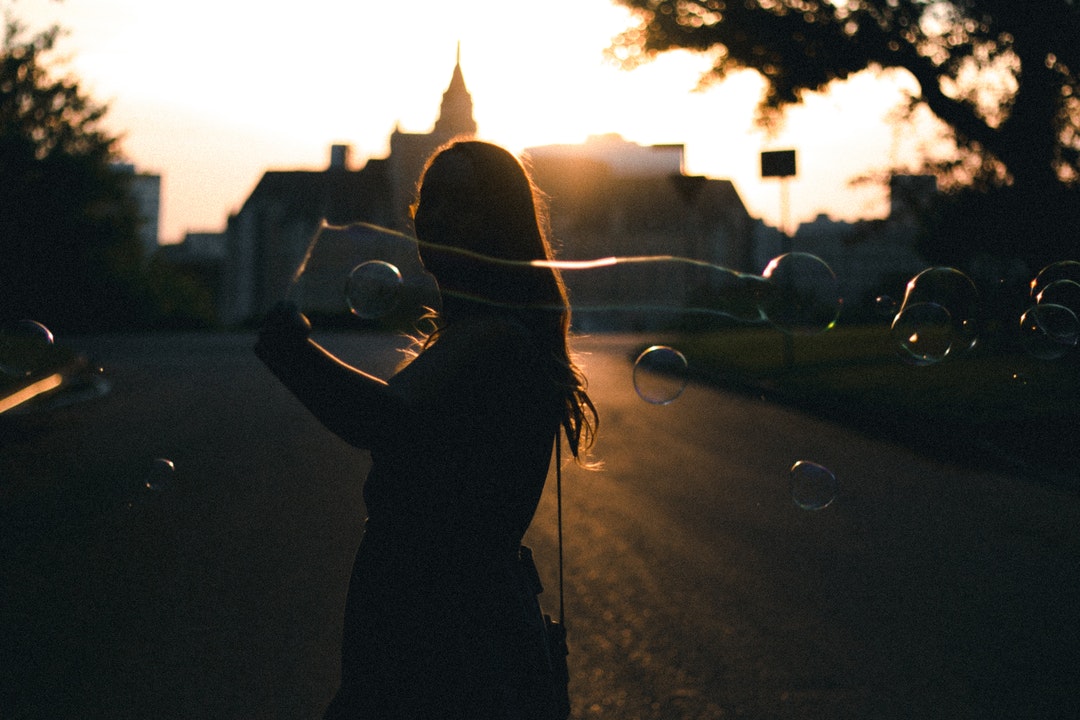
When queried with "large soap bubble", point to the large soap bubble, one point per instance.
{"points": [[357, 273], [1061, 292], [373, 289], [1049, 331], [937, 317], [1066, 271], [802, 295], [923, 333], [660, 375], [366, 293], [1056, 284], [813, 486], [25, 348]]}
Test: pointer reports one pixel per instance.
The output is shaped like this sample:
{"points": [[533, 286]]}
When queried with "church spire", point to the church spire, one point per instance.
{"points": [[455, 113]]}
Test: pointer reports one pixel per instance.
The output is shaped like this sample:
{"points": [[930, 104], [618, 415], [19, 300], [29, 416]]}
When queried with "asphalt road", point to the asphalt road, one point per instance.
{"points": [[696, 588]]}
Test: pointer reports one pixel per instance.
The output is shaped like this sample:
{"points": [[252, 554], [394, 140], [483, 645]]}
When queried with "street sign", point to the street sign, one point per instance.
{"points": [[777, 163]]}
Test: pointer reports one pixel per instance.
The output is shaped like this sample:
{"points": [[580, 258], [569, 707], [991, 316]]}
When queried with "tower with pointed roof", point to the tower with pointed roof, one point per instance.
{"points": [[456, 111], [409, 151]]}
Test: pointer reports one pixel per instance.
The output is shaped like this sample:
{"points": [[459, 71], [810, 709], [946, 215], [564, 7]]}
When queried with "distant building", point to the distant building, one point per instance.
{"points": [[623, 158], [610, 197], [910, 196], [607, 196], [268, 237], [146, 190], [871, 258], [200, 257], [409, 151]]}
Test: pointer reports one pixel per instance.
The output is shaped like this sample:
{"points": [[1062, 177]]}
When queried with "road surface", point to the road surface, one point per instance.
{"points": [[695, 587]]}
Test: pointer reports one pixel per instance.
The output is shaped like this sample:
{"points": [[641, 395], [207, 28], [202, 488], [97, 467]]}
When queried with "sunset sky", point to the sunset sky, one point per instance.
{"points": [[211, 93]]}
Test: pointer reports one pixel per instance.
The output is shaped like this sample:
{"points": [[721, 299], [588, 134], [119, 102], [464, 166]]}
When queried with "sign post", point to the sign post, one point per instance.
{"points": [[781, 164]]}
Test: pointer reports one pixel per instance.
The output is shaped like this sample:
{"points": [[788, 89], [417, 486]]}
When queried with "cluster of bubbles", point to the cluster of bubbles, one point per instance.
{"points": [[37, 374], [29, 360], [1049, 328], [937, 317], [796, 294]]}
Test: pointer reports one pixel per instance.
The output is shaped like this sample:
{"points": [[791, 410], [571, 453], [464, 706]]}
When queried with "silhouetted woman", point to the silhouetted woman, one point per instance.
{"points": [[438, 619]]}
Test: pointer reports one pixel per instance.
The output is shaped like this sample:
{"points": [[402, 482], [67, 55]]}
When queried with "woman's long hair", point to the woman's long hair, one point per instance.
{"points": [[481, 224]]}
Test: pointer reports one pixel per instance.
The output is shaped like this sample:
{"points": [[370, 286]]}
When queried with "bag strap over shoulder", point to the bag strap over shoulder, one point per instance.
{"points": [[558, 496]]}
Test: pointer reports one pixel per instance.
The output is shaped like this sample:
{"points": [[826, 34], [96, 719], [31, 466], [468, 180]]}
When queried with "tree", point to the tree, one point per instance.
{"points": [[1004, 76], [70, 255]]}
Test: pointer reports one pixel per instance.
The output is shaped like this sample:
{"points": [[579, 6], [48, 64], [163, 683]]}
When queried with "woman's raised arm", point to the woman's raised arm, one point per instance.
{"points": [[352, 404]]}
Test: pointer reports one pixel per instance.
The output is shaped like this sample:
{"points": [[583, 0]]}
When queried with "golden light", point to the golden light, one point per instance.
{"points": [[30, 392]]}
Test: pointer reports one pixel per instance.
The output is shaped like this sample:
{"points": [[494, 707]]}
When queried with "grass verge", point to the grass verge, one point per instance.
{"points": [[993, 408]]}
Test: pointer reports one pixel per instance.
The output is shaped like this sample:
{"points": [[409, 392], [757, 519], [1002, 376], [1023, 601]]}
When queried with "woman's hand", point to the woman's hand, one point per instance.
{"points": [[284, 329]]}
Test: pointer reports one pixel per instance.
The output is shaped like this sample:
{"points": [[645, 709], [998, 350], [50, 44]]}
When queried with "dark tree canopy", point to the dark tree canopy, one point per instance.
{"points": [[70, 255], [1004, 75]]}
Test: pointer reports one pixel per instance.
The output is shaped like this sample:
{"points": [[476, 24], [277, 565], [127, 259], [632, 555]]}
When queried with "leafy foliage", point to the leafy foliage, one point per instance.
{"points": [[1003, 75], [71, 256]]}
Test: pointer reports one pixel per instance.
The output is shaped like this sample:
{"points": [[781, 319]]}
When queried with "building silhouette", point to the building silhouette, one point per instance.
{"points": [[266, 240], [611, 197], [146, 192], [607, 198]]}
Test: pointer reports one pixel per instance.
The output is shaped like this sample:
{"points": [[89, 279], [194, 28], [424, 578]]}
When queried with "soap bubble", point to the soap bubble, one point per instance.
{"points": [[1061, 292], [813, 486], [1049, 331], [802, 296], [366, 293], [885, 306], [923, 333], [379, 270], [373, 289], [160, 475], [35, 331], [25, 348], [937, 317], [660, 375], [1067, 270]]}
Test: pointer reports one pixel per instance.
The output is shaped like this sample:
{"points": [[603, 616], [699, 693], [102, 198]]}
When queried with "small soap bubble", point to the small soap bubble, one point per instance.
{"points": [[802, 296], [923, 333], [373, 289], [813, 486], [660, 375], [160, 475], [885, 306], [25, 347], [1049, 331]]}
